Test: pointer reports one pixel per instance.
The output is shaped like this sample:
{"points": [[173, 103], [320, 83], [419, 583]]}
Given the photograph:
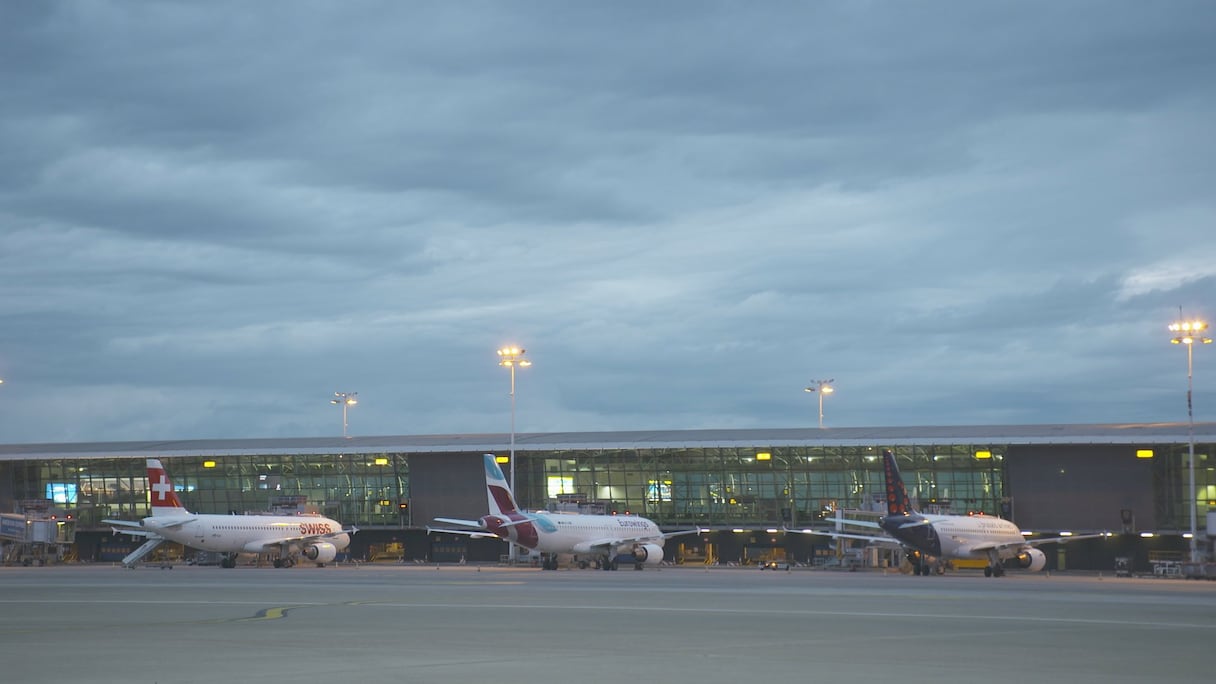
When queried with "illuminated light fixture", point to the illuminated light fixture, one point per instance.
{"points": [[1144, 453], [1066, 534], [1027, 533], [380, 460], [764, 456], [738, 529], [771, 530], [385, 502], [208, 464], [502, 460], [1147, 535], [983, 454], [821, 387], [345, 400], [1186, 535]]}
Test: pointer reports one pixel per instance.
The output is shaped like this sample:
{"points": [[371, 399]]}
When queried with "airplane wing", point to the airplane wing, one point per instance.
{"points": [[610, 542], [988, 546], [873, 539], [1064, 540]]}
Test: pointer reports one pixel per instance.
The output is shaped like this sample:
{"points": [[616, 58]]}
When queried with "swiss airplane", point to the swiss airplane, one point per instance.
{"points": [[928, 540], [603, 536], [286, 536]]}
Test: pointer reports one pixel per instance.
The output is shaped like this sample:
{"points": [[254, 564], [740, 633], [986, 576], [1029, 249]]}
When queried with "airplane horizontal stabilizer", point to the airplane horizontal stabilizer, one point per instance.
{"points": [[135, 532], [458, 521], [121, 523], [467, 533]]}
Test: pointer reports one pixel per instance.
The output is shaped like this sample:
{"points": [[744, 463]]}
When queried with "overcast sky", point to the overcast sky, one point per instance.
{"points": [[214, 215]]}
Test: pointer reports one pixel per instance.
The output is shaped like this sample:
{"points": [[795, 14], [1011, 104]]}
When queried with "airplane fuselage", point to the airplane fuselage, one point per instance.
{"points": [[244, 533], [955, 536], [574, 532]]}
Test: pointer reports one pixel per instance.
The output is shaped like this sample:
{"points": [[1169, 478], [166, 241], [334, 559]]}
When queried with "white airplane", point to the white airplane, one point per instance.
{"points": [[928, 540], [603, 536], [287, 536]]}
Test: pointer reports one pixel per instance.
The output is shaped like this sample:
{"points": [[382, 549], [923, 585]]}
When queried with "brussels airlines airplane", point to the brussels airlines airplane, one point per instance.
{"points": [[604, 536], [317, 539], [930, 539]]}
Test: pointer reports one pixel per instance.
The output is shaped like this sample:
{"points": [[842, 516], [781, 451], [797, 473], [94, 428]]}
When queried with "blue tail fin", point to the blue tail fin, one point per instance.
{"points": [[497, 489], [898, 502]]}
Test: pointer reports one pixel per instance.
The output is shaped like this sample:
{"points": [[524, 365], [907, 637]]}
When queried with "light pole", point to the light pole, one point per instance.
{"points": [[1188, 333], [821, 387], [512, 357], [345, 399]]}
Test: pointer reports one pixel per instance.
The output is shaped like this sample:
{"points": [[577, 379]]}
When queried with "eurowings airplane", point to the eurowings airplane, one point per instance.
{"points": [[928, 540], [287, 536], [603, 536]]}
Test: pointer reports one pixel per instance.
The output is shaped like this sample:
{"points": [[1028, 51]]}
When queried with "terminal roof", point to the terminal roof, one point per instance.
{"points": [[981, 435]]}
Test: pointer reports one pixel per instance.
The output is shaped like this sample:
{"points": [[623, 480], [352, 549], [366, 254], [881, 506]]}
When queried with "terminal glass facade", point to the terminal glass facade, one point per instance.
{"points": [[724, 486], [364, 489], [705, 486]]}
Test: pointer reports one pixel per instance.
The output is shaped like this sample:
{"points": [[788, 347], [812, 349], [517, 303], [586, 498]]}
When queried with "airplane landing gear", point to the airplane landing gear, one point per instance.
{"points": [[994, 569]]}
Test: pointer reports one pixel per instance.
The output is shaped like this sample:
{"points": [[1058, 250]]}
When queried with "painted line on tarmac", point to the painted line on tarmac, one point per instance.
{"points": [[1119, 622]]}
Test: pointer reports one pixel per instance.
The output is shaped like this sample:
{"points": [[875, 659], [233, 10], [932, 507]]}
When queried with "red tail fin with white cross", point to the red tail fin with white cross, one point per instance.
{"points": [[160, 489]]}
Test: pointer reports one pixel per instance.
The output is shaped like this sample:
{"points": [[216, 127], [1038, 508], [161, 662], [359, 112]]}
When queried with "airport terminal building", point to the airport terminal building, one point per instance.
{"points": [[741, 486]]}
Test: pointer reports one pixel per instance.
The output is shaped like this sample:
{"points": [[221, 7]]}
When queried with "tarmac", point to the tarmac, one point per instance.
{"points": [[423, 624]]}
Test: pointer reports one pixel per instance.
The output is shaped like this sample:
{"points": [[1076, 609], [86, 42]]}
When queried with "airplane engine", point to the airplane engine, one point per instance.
{"points": [[650, 554], [584, 548], [1031, 559], [321, 552]]}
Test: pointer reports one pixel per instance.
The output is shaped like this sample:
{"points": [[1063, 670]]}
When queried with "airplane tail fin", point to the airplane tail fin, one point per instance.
{"points": [[898, 502], [499, 493], [164, 497]]}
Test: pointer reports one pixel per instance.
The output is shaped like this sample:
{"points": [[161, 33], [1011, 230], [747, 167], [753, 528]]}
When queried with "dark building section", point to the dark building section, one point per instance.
{"points": [[1079, 487], [447, 485]]}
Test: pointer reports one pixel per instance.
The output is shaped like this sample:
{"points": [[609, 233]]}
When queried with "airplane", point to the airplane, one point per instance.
{"points": [[315, 538], [604, 536], [928, 540]]}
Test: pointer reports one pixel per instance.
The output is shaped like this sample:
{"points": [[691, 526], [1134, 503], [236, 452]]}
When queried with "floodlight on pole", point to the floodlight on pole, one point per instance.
{"points": [[512, 357], [1187, 333], [821, 387], [346, 400]]}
